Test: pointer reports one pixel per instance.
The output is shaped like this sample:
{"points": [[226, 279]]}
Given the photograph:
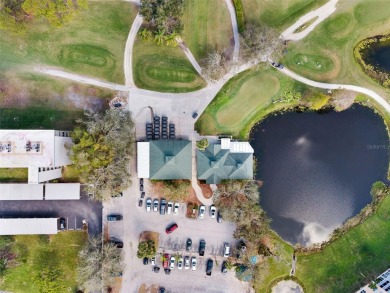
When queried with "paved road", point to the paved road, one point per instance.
{"points": [[322, 13], [73, 210]]}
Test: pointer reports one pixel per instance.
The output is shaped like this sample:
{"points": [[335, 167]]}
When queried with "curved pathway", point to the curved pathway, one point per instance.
{"points": [[322, 13], [189, 55], [335, 86], [236, 37], [128, 60]]}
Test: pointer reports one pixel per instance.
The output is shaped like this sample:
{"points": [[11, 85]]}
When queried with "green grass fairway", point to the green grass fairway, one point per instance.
{"points": [[278, 13], [163, 68], [207, 26], [244, 100], [340, 267], [14, 175], [333, 41], [92, 44], [38, 118], [43, 252]]}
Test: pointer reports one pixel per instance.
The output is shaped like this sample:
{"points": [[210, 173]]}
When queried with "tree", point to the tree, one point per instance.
{"points": [[215, 65], [317, 101], [103, 147], [98, 263], [202, 144], [378, 190], [47, 280], [146, 249], [146, 35], [174, 190], [233, 192], [261, 43]]}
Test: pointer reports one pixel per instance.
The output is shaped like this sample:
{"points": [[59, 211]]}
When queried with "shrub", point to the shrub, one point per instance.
{"points": [[239, 15], [202, 144], [146, 249]]}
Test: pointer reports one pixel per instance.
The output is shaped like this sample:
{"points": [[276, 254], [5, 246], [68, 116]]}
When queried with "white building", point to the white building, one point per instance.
{"points": [[43, 152], [381, 284], [28, 226]]}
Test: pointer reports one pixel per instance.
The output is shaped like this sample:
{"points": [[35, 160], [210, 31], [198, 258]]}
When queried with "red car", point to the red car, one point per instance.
{"points": [[171, 228], [166, 261]]}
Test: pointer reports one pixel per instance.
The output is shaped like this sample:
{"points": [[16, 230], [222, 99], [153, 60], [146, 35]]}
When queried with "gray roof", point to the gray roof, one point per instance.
{"points": [[170, 159], [215, 164]]}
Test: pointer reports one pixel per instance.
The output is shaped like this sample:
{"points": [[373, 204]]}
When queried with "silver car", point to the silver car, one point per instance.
{"points": [[155, 205], [186, 262], [172, 262], [202, 210], [148, 205], [194, 262]]}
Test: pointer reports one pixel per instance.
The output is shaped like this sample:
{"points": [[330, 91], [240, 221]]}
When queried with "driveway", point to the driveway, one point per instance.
{"points": [[73, 210]]}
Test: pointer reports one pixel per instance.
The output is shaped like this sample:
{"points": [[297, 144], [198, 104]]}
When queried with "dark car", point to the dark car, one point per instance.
{"points": [[113, 218], [156, 269], [171, 228], [162, 290], [188, 244], [167, 271], [194, 115], [62, 223], [277, 65], [209, 267], [141, 187], [145, 260], [163, 204], [219, 217], [142, 194], [202, 247], [224, 268], [140, 203], [141, 181], [118, 244]]}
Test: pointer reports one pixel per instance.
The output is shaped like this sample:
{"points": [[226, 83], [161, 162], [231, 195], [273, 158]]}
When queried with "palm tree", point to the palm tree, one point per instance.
{"points": [[159, 37], [145, 34], [170, 40]]}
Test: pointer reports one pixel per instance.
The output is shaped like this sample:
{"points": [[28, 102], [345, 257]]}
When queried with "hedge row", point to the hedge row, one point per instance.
{"points": [[239, 15]]}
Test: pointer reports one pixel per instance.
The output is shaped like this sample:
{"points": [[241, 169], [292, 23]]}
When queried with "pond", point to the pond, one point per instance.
{"points": [[378, 55], [317, 169]]}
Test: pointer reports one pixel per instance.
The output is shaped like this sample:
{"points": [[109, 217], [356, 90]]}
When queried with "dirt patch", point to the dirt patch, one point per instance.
{"points": [[117, 286], [206, 190], [342, 100], [150, 289], [150, 235]]}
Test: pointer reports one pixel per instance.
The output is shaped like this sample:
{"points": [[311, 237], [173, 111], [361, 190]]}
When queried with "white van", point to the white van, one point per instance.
{"points": [[226, 250], [169, 207]]}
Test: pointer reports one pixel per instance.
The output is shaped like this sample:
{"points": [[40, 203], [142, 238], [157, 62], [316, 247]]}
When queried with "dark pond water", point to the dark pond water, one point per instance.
{"points": [[318, 169], [379, 56]]}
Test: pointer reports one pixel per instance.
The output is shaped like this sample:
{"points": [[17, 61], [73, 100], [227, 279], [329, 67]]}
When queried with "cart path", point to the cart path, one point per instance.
{"points": [[236, 37], [322, 13]]}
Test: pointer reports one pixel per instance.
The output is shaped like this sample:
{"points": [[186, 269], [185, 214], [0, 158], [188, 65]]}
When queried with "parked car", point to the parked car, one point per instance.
{"points": [[202, 210], [176, 208], [188, 244], [62, 223], [224, 269], [113, 218], [194, 262], [117, 243], [180, 263], [277, 65], [142, 194], [141, 181], [148, 205], [209, 267], [169, 207], [167, 272], [141, 187], [219, 217], [202, 247], [186, 262], [195, 114], [145, 261], [161, 290], [213, 211], [171, 228], [163, 203], [153, 261], [156, 269], [155, 205], [172, 262], [165, 260], [226, 249], [140, 202]]}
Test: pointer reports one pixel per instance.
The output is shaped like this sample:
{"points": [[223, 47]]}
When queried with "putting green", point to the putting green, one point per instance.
{"points": [[254, 92], [313, 62]]}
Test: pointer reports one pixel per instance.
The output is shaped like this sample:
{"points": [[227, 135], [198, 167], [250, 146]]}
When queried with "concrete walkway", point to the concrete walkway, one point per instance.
{"points": [[236, 37], [322, 13], [128, 56], [189, 55]]}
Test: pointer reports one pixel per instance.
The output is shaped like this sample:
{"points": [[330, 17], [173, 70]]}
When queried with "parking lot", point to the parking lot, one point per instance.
{"points": [[136, 220], [74, 211]]}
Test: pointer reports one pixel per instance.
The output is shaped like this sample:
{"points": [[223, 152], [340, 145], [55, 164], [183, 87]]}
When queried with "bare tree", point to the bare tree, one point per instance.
{"points": [[215, 65]]}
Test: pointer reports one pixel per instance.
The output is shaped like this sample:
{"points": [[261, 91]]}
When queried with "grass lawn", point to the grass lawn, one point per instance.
{"points": [[38, 118], [13, 175], [326, 54], [342, 265], [244, 100], [207, 26], [279, 14], [162, 68], [92, 44], [37, 252]]}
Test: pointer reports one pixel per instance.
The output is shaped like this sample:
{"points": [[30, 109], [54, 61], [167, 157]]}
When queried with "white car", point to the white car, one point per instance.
{"points": [[194, 262], [155, 205], [153, 261], [169, 207], [202, 209], [180, 263], [176, 209], [172, 262], [226, 250], [186, 262], [148, 205], [213, 211]]}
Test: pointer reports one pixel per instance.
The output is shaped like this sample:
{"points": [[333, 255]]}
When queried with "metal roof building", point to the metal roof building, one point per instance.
{"points": [[225, 160], [48, 191], [28, 226]]}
